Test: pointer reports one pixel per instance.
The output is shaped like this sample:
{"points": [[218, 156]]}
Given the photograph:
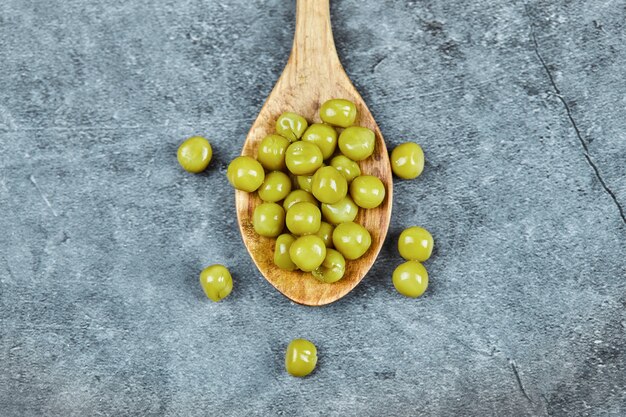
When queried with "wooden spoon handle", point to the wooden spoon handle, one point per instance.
{"points": [[313, 48]]}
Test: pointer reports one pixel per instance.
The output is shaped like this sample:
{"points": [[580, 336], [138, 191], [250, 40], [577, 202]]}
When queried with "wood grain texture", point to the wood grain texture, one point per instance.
{"points": [[313, 75]]}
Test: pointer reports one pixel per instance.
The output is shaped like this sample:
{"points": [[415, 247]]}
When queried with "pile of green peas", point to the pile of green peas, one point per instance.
{"points": [[312, 189], [320, 190]]}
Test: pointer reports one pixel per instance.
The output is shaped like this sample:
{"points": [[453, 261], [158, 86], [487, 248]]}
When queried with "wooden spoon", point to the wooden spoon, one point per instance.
{"points": [[313, 75]]}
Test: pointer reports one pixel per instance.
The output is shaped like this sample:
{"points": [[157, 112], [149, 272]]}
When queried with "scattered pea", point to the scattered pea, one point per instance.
{"points": [[407, 160], [301, 357], [216, 282], [415, 244], [194, 154], [410, 279]]}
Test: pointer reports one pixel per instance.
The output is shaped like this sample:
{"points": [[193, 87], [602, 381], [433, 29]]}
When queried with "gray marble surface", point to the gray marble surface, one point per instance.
{"points": [[519, 108]]}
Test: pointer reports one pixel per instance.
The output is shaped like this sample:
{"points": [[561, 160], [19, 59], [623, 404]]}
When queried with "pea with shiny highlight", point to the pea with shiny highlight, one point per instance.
{"points": [[338, 112], [291, 126], [367, 191], [410, 279], [245, 173], [328, 185], [308, 252], [300, 358], [194, 154], [268, 219], [407, 160], [216, 282]]}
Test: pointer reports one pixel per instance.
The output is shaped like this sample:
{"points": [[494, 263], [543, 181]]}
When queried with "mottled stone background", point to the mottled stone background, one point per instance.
{"points": [[520, 108]]}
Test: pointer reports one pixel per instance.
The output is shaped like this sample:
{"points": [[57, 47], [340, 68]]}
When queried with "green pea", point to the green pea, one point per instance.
{"points": [[271, 152], [415, 244], [303, 158], [307, 252], [216, 282], [352, 240], [303, 219], [323, 136], [328, 185], [407, 160], [341, 212], [357, 143], [281, 252], [326, 234], [195, 153], [245, 173], [333, 267], [268, 219], [298, 196], [346, 166], [277, 185], [300, 358], [338, 112], [291, 126], [367, 191], [305, 182], [410, 279]]}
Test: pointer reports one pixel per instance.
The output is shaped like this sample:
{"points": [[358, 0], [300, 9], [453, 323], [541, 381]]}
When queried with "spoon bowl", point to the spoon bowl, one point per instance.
{"points": [[313, 74]]}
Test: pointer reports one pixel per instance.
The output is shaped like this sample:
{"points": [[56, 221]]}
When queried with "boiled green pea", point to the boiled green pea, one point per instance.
{"points": [[338, 112], [333, 267], [303, 218], [305, 182], [277, 185], [407, 160], [410, 279], [341, 212], [291, 126], [245, 173], [216, 282], [323, 136], [352, 240], [268, 219], [195, 153], [357, 143], [415, 244], [308, 252], [300, 358], [298, 196], [303, 158], [346, 166], [281, 252], [328, 185], [367, 191], [326, 234], [271, 152]]}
